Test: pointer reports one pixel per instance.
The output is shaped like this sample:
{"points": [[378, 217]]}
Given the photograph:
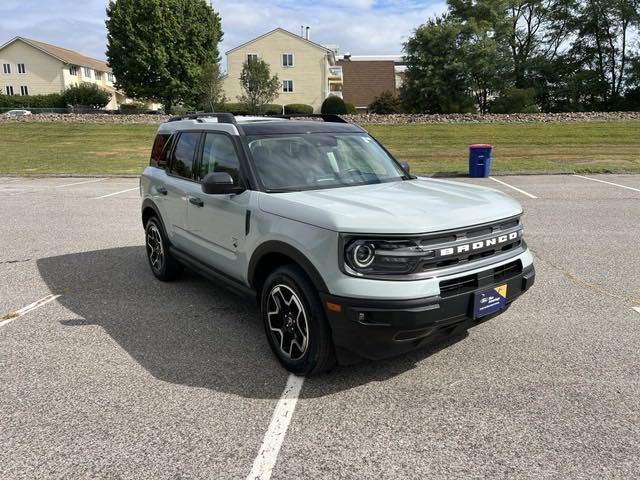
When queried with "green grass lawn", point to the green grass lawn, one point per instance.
{"points": [[81, 148]]}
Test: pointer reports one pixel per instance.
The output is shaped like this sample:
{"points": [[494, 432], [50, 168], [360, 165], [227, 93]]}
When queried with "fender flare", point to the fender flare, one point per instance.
{"points": [[275, 246], [148, 203]]}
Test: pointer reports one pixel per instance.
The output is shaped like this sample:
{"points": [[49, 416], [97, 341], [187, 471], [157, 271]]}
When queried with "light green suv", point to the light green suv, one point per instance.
{"points": [[348, 255]]}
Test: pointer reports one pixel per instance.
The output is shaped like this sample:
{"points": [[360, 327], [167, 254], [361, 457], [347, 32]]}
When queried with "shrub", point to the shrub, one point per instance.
{"points": [[52, 100], [299, 108], [515, 100], [385, 103], [335, 105], [132, 107], [271, 109], [88, 94], [351, 108], [235, 108]]}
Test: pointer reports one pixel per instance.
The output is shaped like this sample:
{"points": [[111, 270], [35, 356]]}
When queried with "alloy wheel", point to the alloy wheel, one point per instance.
{"points": [[288, 322], [155, 249]]}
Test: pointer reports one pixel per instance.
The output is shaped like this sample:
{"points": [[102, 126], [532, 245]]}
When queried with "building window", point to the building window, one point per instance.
{"points": [[251, 57], [24, 90], [98, 75], [87, 72], [287, 86], [110, 77], [6, 68], [73, 70], [287, 59], [9, 90], [22, 68]]}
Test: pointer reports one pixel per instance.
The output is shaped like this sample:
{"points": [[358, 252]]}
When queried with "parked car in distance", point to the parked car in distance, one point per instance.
{"points": [[347, 254], [17, 113]]}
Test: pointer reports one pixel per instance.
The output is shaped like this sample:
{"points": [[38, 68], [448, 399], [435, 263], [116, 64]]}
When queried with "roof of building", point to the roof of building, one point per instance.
{"points": [[282, 30], [363, 81], [63, 54]]}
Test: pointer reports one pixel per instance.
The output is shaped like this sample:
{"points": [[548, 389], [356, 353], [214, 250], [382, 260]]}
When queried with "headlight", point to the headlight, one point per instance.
{"points": [[388, 257]]}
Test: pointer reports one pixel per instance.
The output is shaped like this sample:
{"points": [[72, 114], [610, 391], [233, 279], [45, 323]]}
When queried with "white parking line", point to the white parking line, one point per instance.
{"points": [[608, 183], [117, 193], [268, 454], [80, 183], [513, 188], [637, 309], [23, 311]]}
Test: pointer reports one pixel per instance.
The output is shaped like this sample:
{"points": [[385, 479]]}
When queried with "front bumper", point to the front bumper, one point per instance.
{"points": [[374, 329]]}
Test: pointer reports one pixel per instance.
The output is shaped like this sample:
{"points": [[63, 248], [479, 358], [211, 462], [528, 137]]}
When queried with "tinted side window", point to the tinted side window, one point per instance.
{"points": [[158, 148], [219, 155], [183, 154]]}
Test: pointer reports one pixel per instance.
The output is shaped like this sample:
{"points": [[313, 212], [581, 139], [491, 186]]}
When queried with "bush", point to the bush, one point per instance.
{"points": [[515, 100], [334, 105], [86, 94], [351, 108], [298, 108], [385, 103], [271, 109], [52, 100], [235, 108], [132, 107]]}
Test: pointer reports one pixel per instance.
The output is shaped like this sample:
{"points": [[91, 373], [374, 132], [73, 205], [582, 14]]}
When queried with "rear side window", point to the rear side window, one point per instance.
{"points": [[183, 154], [158, 149], [219, 155]]}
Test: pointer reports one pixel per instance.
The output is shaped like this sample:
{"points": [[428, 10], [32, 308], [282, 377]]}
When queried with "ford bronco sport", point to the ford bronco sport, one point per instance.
{"points": [[348, 255]]}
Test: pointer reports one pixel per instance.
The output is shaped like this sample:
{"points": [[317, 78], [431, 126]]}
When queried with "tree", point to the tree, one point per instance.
{"points": [[436, 79], [86, 94], [210, 84], [159, 48], [258, 85]]}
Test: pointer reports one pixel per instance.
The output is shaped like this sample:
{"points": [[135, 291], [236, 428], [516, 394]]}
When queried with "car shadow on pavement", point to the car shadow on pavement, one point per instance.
{"points": [[189, 332]]}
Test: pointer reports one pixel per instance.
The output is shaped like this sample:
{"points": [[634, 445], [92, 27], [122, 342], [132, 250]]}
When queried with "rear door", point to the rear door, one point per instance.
{"points": [[180, 180], [216, 223]]}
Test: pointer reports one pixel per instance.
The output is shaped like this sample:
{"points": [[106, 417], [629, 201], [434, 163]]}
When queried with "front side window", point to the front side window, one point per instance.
{"points": [[87, 72], [8, 90], [219, 155], [22, 68], [24, 90], [251, 57], [110, 77], [287, 59], [98, 75], [314, 161], [6, 68], [183, 155], [73, 70], [287, 86]]}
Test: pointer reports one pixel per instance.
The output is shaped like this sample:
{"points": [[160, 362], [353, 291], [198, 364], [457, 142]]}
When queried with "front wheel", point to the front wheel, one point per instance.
{"points": [[162, 263], [295, 323]]}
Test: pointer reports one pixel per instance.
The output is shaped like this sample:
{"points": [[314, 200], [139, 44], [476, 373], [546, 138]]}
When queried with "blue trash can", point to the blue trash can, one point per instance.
{"points": [[480, 160]]}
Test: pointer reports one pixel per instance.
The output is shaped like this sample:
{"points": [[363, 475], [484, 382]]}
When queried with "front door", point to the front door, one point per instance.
{"points": [[216, 223]]}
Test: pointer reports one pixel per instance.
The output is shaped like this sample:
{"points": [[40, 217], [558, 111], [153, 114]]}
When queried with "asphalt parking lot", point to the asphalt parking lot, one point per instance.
{"points": [[121, 376]]}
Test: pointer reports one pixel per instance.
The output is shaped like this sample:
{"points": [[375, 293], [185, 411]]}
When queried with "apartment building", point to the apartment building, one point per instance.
{"points": [[30, 67]]}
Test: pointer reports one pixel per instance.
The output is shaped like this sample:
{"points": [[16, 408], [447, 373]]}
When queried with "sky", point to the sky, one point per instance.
{"points": [[360, 27]]}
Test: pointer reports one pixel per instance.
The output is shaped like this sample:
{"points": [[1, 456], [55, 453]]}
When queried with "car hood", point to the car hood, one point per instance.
{"points": [[406, 207]]}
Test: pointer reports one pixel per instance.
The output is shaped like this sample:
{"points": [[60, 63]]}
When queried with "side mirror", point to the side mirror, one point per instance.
{"points": [[406, 167], [219, 183]]}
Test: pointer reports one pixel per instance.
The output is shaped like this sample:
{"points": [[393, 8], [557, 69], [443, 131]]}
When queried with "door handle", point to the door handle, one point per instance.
{"points": [[196, 201], [162, 190]]}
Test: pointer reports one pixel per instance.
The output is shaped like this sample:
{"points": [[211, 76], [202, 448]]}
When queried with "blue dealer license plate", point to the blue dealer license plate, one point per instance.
{"points": [[489, 301]]}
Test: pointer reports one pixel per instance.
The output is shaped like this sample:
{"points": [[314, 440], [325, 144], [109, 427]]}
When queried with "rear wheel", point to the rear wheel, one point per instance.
{"points": [[162, 264], [295, 323]]}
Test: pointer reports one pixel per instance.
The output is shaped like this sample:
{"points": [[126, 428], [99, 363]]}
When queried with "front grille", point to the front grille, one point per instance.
{"points": [[469, 283]]}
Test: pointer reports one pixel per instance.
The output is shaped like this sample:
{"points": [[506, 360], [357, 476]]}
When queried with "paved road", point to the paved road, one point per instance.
{"points": [[125, 377]]}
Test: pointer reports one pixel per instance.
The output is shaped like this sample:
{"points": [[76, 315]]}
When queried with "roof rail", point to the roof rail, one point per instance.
{"points": [[327, 117], [222, 117]]}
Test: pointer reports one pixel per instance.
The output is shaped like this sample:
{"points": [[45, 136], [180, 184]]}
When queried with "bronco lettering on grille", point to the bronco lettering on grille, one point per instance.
{"points": [[479, 245]]}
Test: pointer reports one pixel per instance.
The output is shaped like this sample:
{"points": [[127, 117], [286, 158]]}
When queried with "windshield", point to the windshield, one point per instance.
{"points": [[320, 160]]}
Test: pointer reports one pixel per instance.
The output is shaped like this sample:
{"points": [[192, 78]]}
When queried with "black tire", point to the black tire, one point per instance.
{"points": [[286, 290], [162, 263]]}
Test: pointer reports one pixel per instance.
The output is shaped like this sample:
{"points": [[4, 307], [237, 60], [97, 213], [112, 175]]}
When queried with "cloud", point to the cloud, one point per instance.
{"points": [[362, 27]]}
